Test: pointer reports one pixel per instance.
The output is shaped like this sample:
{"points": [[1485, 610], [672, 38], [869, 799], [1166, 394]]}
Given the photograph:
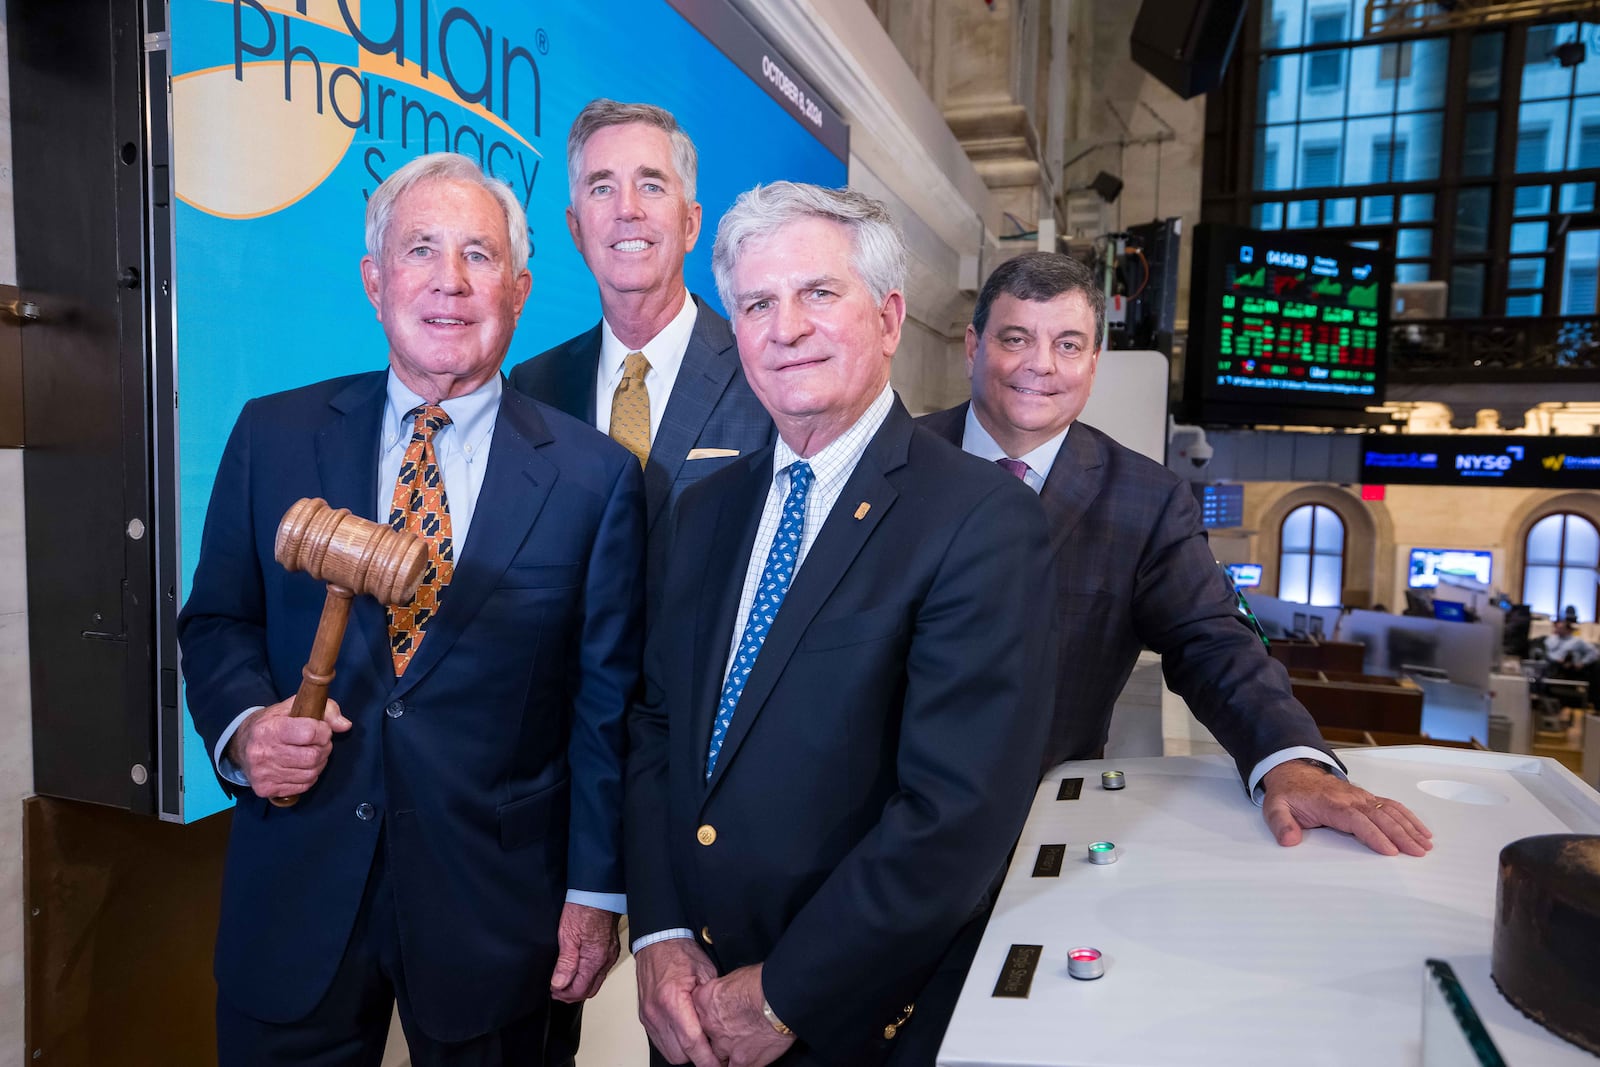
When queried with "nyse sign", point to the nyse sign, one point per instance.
{"points": [[1470, 459]]}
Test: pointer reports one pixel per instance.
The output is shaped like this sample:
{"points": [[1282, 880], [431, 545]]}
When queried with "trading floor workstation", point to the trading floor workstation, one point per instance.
{"points": [[1213, 945]]}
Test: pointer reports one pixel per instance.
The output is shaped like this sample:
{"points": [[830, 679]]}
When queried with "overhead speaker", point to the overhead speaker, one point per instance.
{"points": [[1186, 44]]}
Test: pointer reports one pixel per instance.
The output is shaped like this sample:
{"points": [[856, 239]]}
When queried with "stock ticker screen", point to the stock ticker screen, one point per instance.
{"points": [[1281, 321]]}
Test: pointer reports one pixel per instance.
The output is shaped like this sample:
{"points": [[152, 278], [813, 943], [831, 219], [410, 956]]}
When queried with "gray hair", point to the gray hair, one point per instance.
{"points": [[445, 167], [878, 251], [598, 114], [1042, 276]]}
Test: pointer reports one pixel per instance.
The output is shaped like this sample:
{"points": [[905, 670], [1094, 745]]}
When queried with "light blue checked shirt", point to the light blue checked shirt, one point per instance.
{"points": [[830, 469]]}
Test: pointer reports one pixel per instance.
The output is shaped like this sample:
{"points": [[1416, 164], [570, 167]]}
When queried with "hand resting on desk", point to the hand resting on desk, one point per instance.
{"points": [[1300, 797]]}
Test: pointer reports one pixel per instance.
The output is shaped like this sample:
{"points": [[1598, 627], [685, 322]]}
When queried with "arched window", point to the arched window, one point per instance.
{"points": [[1311, 556], [1562, 563]]}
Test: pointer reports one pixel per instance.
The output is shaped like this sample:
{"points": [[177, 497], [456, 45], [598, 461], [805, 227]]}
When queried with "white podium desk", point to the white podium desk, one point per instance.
{"points": [[1221, 947]]}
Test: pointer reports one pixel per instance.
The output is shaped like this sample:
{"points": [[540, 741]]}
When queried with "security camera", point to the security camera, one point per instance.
{"points": [[1186, 442]]}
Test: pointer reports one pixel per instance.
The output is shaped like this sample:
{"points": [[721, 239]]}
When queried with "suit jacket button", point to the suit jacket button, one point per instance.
{"points": [[705, 935], [706, 835], [365, 812], [395, 710]]}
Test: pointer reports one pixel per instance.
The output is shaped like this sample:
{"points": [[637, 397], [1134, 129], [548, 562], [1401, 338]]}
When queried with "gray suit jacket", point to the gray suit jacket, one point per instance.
{"points": [[1134, 570], [711, 406]]}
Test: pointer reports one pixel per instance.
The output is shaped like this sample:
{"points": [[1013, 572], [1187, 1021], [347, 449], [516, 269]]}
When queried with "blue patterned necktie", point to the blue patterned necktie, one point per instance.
{"points": [[775, 578]]}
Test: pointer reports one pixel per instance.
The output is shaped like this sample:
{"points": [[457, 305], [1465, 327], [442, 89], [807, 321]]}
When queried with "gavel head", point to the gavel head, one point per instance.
{"points": [[332, 545]]}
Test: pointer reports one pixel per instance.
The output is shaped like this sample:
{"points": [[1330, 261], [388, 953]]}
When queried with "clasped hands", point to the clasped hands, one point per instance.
{"points": [[692, 1016]]}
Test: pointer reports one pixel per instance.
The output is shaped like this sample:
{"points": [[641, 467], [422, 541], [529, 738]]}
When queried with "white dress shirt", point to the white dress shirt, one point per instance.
{"points": [[462, 448], [664, 351], [830, 468], [979, 442]]}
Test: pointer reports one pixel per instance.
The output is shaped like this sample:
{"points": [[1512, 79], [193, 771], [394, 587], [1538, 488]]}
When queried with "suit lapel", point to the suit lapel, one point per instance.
{"points": [[840, 541], [347, 466], [731, 540], [950, 424], [701, 381], [572, 384], [515, 487], [1074, 481]]}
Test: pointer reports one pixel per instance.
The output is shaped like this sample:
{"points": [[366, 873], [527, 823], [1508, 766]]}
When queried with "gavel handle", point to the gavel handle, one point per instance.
{"points": [[312, 698]]}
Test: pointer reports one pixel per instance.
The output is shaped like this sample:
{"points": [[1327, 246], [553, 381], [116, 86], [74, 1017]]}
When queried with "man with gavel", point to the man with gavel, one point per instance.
{"points": [[454, 846]]}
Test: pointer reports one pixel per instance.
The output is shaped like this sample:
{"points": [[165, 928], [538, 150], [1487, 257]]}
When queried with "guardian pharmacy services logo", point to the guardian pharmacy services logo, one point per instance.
{"points": [[274, 95]]}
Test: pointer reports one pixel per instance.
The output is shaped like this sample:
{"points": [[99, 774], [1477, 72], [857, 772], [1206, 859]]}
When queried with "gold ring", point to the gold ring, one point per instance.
{"points": [[1378, 805]]}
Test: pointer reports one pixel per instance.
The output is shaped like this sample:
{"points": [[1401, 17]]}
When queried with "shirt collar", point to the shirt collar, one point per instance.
{"points": [[471, 416], [979, 442], [836, 462], [664, 350]]}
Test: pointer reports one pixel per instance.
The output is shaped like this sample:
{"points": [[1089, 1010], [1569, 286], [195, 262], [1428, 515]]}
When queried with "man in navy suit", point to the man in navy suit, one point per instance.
{"points": [[633, 216], [1134, 567], [847, 684], [456, 844]]}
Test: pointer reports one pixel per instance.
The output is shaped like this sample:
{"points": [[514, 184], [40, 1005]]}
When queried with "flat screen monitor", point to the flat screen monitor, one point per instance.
{"points": [[1244, 575], [1285, 328], [1221, 506], [1428, 565], [1450, 610]]}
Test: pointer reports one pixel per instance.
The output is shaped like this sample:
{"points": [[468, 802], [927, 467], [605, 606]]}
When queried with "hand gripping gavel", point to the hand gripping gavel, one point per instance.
{"points": [[354, 556]]}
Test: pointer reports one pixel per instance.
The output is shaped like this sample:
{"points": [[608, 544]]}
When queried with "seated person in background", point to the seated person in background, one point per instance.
{"points": [[1569, 655]]}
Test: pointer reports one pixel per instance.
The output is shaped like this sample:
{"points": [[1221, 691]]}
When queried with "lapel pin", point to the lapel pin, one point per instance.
{"points": [[861, 511]]}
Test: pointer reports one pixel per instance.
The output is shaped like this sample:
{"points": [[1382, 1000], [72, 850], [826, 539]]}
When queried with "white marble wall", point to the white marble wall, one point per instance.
{"points": [[1109, 90], [16, 727]]}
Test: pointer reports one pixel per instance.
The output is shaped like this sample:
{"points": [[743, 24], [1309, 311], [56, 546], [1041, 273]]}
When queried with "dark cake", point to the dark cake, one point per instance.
{"points": [[1547, 933]]}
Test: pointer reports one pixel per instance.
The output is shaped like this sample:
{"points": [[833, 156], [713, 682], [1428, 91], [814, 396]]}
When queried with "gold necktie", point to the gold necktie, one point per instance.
{"points": [[630, 408], [420, 505]]}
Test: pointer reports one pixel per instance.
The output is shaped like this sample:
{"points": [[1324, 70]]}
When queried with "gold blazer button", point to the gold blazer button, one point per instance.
{"points": [[706, 835], [705, 935]]}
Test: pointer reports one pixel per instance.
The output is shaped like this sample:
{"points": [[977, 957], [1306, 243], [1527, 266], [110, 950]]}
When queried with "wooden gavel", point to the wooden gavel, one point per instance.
{"points": [[354, 556]]}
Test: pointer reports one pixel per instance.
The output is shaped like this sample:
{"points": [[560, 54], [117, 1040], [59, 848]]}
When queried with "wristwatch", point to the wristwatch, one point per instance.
{"points": [[772, 1017]]}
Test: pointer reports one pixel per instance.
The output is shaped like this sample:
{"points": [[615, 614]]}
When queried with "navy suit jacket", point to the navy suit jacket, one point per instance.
{"points": [[493, 769], [711, 406], [882, 757], [1134, 570]]}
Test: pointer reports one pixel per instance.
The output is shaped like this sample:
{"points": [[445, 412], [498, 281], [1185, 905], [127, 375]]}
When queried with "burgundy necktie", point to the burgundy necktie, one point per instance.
{"points": [[1014, 466]]}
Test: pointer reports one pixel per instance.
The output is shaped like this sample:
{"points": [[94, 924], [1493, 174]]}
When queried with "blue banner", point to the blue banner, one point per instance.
{"points": [[286, 114]]}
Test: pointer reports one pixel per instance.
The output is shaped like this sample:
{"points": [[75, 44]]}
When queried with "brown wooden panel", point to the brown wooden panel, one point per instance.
{"points": [[122, 915], [1319, 655], [1359, 702], [11, 311]]}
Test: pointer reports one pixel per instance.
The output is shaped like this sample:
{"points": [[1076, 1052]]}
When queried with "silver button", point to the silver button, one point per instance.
{"points": [[1085, 963], [395, 710], [1102, 852], [365, 812]]}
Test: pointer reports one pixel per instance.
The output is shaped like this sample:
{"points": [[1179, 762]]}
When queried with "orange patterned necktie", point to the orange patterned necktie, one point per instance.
{"points": [[420, 506], [630, 408]]}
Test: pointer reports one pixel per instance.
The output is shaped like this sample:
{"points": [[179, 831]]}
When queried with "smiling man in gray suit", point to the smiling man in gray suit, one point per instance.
{"points": [[1133, 564], [660, 372]]}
